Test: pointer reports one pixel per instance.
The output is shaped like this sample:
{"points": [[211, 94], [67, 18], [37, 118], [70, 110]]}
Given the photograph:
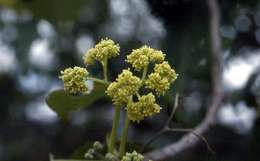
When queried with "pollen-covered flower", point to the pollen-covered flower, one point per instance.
{"points": [[144, 107], [125, 86], [140, 58], [106, 48], [74, 80], [161, 79], [134, 156]]}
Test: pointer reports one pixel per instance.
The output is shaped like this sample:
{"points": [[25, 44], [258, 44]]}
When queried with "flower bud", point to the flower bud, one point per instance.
{"points": [[110, 157], [134, 156], [90, 154], [97, 145]]}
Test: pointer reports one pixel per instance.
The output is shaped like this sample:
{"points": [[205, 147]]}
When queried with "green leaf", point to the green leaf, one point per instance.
{"points": [[63, 103]]}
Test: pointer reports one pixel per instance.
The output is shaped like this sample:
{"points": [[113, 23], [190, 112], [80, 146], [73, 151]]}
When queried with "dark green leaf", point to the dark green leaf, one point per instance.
{"points": [[63, 102]]}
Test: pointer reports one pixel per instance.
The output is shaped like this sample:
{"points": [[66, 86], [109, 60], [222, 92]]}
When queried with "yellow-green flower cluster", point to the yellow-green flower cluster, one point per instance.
{"points": [[144, 107], [140, 58], [165, 71], [161, 79], [134, 156], [125, 86], [105, 49], [74, 80]]}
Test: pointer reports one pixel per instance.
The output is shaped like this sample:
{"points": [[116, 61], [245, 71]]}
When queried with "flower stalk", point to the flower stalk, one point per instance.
{"points": [[98, 80], [112, 139], [124, 138], [144, 72], [104, 64]]}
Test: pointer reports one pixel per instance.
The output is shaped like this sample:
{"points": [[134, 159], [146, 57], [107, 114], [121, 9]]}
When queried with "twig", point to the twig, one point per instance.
{"points": [[166, 128], [202, 138], [188, 141], [176, 104], [163, 130]]}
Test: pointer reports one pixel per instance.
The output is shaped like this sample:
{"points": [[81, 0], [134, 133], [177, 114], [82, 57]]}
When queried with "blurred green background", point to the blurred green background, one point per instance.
{"points": [[38, 38]]}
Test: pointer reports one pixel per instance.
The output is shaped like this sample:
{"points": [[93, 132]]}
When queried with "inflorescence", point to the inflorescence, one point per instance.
{"points": [[127, 85], [136, 89]]}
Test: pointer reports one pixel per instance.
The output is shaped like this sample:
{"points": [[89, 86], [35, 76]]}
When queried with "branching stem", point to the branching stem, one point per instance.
{"points": [[202, 138], [98, 80], [163, 130], [166, 128], [144, 73]]}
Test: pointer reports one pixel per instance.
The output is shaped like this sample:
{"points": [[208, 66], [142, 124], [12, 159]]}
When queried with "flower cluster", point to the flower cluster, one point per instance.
{"points": [[75, 80], [106, 48], [134, 156], [161, 79], [132, 90], [125, 86], [144, 107], [140, 58]]}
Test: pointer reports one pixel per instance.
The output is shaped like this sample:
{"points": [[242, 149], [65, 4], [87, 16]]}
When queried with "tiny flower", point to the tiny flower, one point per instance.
{"points": [[161, 79], [89, 154], [125, 86], [165, 70], [134, 156], [157, 56], [74, 80], [157, 83], [133, 112], [106, 48], [144, 107], [140, 58]]}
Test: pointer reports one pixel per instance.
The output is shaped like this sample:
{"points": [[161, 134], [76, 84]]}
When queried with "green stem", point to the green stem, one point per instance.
{"points": [[144, 73], [112, 139], [98, 80], [124, 138], [104, 64]]}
